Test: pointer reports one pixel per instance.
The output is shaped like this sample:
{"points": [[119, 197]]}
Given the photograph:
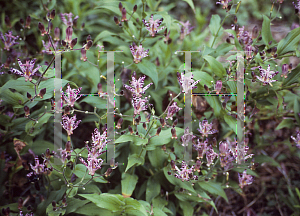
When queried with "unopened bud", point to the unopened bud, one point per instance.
{"points": [[75, 22], [290, 67], [116, 20], [173, 131], [137, 133], [99, 86], [47, 153], [275, 55], [64, 202], [254, 32], [173, 165], [270, 42], [42, 92], [175, 123], [69, 32], [88, 38], [235, 19], [82, 26], [259, 39], [28, 21], [120, 7], [67, 110], [206, 87], [42, 29], [56, 34], [50, 26], [134, 8], [29, 95], [108, 172], [123, 132], [228, 40], [172, 149], [63, 43], [83, 54], [269, 50], [27, 111], [162, 121], [53, 203], [20, 203], [119, 124], [7, 21], [73, 43], [52, 14], [68, 146], [88, 45], [144, 125], [123, 15], [158, 131], [148, 118], [130, 129], [122, 92], [22, 21]]}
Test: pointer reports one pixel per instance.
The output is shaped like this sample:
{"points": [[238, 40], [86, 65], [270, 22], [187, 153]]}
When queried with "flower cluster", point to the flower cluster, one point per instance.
{"points": [[138, 52], [187, 137], [37, 169], [9, 40], [27, 70], [205, 128], [266, 75], [172, 110], [187, 83], [99, 141], [71, 95], [69, 124], [185, 173], [245, 179], [47, 47], [68, 20], [152, 25]]}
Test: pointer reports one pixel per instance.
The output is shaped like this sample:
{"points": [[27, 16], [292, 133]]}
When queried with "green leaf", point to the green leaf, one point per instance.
{"points": [[265, 158], [158, 212], [104, 34], [167, 18], [58, 212], [49, 85], [191, 3], [112, 202], [157, 157], [204, 77], [91, 209], [133, 207], [95, 102], [266, 30], [33, 128], [153, 188], [13, 98], [74, 204], [214, 188], [187, 208], [289, 43], [124, 138], [215, 65], [232, 122], [72, 192], [215, 103], [80, 171], [134, 159], [232, 86], [285, 123], [149, 69], [128, 184], [293, 77], [214, 24]]}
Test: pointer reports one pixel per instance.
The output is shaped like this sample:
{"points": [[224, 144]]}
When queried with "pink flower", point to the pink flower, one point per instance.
{"points": [[224, 3], [139, 104], [9, 40], [187, 137], [152, 25], [93, 162], [172, 110], [185, 29], [186, 83], [297, 7], [201, 148], [245, 179], [297, 140], [210, 155], [67, 19], [69, 124], [71, 95], [27, 69], [218, 86], [138, 52], [99, 141], [206, 128], [185, 173], [244, 36], [266, 75], [137, 86], [48, 46], [226, 155]]}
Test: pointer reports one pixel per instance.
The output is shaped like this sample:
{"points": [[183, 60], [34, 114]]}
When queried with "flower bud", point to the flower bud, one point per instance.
{"points": [[206, 87], [22, 21], [42, 29], [52, 14], [73, 43], [48, 16], [120, 7], [130, 129], [123, 15], [83, 54], [172, 149], [53, 203], [88, 38], [137, 133], [157, 63], [75, 22], [123, 132], [56, 34], [173, 131], [27, 111], [119, 124], [173, 165], [108, 172], [218, 86], [121, 92], [285, 70], [290, 67], [20, 203], [198, 165], [63, 43], [235, 19], [175, 123], [68, 146], [269, 50], [144, 125], [116, 20], [42, 92], [47, 153], [28, 21], [64, 202], [50, 26], [270, 42], [99, 86], [158, 131], [88, 45], [275, 55], [162, 121], [29, 95], [134, 8], [69, 32], [67, 110], [228, 40], [7, 21], [148, 118], [254, 32], [259, 39]]}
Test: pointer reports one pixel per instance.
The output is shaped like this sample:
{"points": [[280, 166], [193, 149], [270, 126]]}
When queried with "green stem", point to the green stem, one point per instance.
{"points": [[219, 30]]}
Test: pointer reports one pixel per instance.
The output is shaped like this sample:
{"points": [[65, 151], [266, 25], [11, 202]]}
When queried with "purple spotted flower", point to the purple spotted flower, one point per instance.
{"points": [[266, 75], [245, 179], [218, 86], [26, 69], [185, 173], [187, 83], [69, 124], [200, 147], [205, 128], [226, 155], [99, 140], [224, 3], [244, 36], [152, 25], [210, 155], [187, 137], [172, 110], [71, 95], [67, 19], [137, 86], [138, 52], [93, 162], [297, 140], [9, 40], [48, 47], [139, 104], [38, 168], [297, 7], [185, 29]]}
